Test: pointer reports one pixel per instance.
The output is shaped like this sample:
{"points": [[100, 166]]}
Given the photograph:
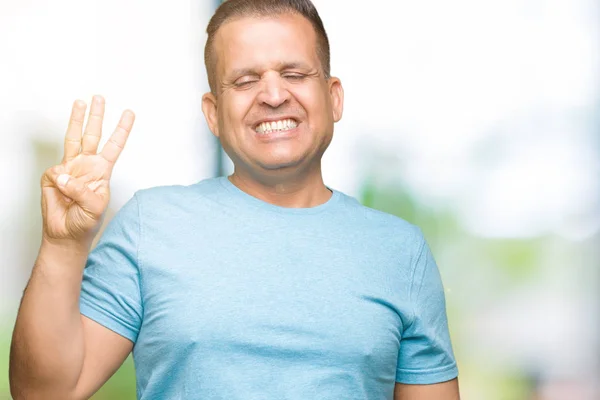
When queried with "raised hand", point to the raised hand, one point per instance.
{"points": [[76, 192]]}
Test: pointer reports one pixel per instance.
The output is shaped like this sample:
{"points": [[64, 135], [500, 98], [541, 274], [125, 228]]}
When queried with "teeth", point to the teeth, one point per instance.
{"points": [[282, 125]]}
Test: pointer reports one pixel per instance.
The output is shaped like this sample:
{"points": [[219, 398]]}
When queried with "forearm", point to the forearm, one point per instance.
{"points": [[47, 351]]}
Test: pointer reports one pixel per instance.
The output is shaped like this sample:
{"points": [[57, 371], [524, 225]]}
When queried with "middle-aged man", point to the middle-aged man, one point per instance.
{"points": [[266, 284]]}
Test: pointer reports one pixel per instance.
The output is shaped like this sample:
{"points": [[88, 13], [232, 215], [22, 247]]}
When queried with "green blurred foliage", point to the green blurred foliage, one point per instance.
{"points": [[121, 385], [4, 353], [518, 259], [460, 254]]}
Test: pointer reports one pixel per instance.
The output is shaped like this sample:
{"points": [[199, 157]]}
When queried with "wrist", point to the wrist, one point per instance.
{"points": [[61, 261], [72, 247]]}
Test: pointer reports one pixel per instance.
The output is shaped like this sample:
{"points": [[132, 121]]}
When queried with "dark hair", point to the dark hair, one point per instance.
{"points": [[234, 9]]}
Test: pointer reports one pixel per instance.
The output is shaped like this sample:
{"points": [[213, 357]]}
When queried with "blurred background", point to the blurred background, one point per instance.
{"points": [[478, 120]]}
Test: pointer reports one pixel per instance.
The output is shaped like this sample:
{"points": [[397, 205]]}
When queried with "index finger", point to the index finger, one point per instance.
{"points": [[112, 149], [73, 136]]}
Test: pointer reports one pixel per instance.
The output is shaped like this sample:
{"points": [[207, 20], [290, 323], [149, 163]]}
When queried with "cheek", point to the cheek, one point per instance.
{"points": [[232, 112], [317, 105]]}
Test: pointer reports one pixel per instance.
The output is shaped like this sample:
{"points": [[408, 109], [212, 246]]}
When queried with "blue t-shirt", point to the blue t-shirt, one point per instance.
{"points": [[229, 297]]}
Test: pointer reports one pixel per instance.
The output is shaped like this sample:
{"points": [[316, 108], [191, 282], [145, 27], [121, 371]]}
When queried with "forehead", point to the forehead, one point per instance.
{"points": [[252, 42]]}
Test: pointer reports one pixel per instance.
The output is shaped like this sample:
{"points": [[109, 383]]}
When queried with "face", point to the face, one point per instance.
{"points": [[274, 110]]}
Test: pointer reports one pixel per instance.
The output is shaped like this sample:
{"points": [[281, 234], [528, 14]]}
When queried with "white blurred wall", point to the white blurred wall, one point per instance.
{"points": [[138, 54]]}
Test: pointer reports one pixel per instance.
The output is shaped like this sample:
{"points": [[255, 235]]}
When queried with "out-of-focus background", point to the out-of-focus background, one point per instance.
{"points": [[478, 120]]}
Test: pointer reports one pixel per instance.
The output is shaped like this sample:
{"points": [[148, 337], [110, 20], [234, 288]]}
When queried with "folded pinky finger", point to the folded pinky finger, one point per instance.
{"points": [[79, 191]]}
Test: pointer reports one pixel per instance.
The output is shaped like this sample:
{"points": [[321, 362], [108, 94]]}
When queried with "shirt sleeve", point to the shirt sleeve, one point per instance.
{"points": [[110, 291], [426, 354]]}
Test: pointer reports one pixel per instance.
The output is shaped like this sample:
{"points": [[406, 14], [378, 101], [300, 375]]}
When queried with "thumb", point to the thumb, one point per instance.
{"points": [[75, 189]]}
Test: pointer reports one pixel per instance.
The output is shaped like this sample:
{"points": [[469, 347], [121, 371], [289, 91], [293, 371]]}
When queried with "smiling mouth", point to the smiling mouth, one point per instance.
{"points": [[282, 125]]}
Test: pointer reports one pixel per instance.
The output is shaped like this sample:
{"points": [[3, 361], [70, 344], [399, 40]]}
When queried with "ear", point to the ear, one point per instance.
{"points": [[336, 91], [209, 108]]}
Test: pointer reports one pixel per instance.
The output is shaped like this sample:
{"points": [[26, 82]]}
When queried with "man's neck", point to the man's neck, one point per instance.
{"points": [[305, 192]]}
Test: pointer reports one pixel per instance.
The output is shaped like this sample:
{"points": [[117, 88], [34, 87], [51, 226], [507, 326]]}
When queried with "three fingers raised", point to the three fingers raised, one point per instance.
{"points": [[76, 143]]}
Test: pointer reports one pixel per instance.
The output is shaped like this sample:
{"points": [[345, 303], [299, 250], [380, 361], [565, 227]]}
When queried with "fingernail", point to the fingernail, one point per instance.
{"points": [[62, 179]]}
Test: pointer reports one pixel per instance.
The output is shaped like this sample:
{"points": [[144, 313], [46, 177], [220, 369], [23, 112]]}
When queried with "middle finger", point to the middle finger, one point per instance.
{"points": [[93, 129]]}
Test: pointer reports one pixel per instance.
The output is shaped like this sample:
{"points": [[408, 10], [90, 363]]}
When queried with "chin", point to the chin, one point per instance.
{"points": [[277, 158], [280, 166], [282, 163]]}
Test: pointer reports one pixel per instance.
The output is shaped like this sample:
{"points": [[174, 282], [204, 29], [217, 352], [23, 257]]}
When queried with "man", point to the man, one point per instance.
{"points": [[263, 285]]}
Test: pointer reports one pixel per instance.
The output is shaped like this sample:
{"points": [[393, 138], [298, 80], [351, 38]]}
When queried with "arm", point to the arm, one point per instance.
{"points": [[56, 353], [438, 391], [426, 366]]}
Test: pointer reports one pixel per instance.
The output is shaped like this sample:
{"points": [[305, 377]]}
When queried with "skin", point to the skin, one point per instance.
{"points": [[267, 68]]}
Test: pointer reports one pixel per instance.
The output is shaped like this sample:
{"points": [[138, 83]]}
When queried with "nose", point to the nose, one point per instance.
{"points": [[273, 92]]}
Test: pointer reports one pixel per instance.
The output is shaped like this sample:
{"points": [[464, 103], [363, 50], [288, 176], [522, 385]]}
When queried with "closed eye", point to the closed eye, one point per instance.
{"points": [[245, 82], [294, 77]]}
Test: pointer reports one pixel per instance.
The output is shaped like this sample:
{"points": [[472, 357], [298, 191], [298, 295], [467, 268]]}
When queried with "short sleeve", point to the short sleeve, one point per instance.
{"points": [[426, 354], [110, 291]]}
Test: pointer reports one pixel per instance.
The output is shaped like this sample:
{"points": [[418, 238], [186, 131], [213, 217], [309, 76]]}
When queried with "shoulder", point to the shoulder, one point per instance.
{"points": [[176, 202], [384, 224], [174, 195]]}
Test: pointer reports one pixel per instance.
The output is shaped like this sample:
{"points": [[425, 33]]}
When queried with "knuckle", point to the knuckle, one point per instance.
{"points": [[122, 130], [116, 143], [76, 121], [52, 171], [51, 174]]}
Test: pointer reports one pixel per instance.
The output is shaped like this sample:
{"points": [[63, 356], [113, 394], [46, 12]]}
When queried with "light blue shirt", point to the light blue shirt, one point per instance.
{"points": [[229, 297]]}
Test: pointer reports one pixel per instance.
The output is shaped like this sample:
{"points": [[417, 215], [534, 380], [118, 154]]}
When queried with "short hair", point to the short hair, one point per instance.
{"points": [[236, 9]]}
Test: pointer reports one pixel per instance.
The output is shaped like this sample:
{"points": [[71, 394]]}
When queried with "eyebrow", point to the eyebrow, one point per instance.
{"points": [[280, 66]]}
